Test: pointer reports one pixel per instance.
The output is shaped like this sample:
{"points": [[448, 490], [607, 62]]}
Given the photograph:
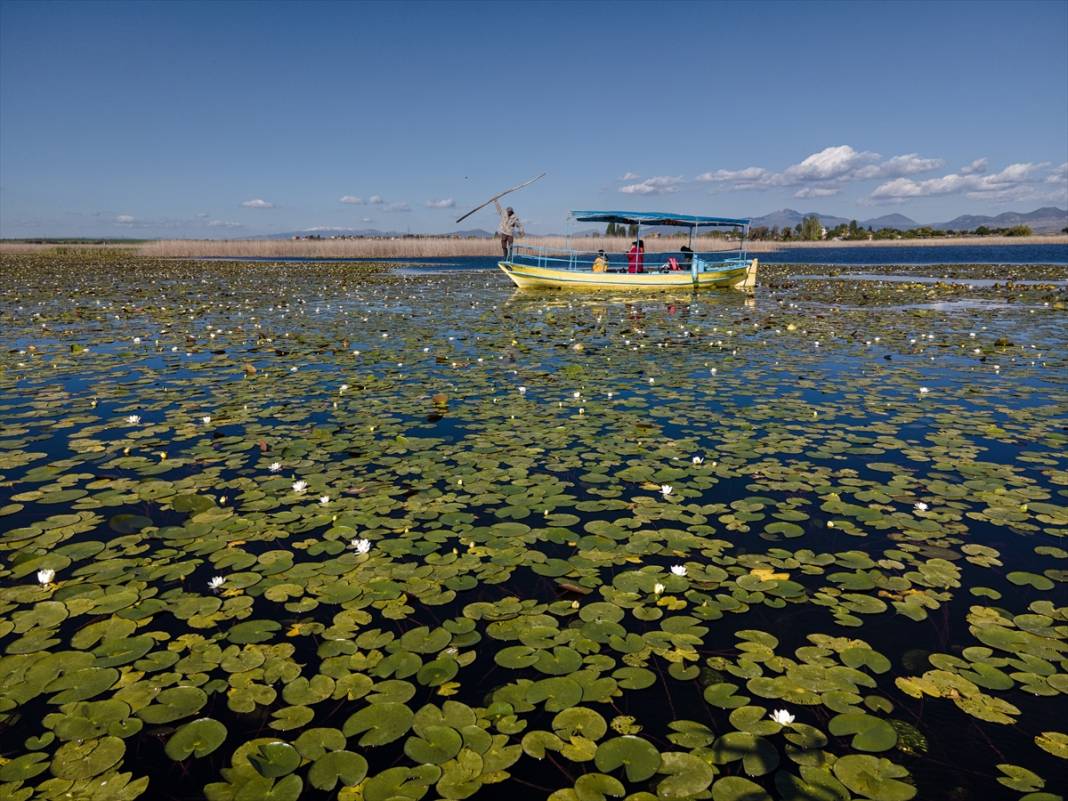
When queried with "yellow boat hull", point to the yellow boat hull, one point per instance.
{"points": [[527, 277]]}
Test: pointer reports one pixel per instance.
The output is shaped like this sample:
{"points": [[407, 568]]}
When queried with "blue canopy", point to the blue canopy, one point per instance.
{"points": [[657, 218]]}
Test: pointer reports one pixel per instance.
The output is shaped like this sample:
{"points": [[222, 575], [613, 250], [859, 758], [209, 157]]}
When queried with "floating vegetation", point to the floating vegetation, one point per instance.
{"points": [[330, 531]]}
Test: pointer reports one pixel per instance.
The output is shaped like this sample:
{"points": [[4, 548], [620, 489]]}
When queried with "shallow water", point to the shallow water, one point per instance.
{"points": [[892, 255], [518, 531]]}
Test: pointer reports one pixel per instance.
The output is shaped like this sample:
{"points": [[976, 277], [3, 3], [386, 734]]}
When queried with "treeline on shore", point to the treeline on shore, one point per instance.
{"points": [[810, 229]]}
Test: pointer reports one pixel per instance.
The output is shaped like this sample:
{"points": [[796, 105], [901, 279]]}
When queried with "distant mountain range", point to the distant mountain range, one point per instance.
{"points": [[1047, 220]]}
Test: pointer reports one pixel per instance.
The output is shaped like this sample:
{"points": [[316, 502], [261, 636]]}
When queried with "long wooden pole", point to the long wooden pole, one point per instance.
{"points": [[499, 196]]}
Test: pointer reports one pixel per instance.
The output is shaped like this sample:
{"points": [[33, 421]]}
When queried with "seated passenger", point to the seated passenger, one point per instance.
{"points": [[600, 264], [687, 257]]}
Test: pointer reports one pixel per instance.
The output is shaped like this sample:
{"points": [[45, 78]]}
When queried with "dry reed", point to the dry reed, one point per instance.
{"points": [[446, 247]]}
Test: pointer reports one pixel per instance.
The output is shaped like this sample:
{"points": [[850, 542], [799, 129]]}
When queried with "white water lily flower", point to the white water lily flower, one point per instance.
{"points": [[920, 506], [360, 546], [324, 499], [45, 575], [342, 388], [216, 582], [206, 419], [133, 419], [698, 460], [576, 394], [658, 588], [274, 467], [300, 486], [666, 489], [678, 570], [522, 390], [924, 390], [782, 717]]}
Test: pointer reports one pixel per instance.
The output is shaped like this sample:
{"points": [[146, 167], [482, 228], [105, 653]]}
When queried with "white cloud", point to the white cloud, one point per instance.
{"points": [[223, 224], [375, 200], [908, 164], [397, 206], [203, 215], [658, 185], [829, 164], [976, 167], [124, 219], [366, 219], [1015, 182], [444, 203], [1059, 175], [629, 176], [749, 178], [257, 203], [351, 200], [817, 191], [826, 171]]}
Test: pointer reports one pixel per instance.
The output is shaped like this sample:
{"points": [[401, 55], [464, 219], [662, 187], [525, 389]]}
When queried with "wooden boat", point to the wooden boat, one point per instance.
{"points": [[544, 268]]}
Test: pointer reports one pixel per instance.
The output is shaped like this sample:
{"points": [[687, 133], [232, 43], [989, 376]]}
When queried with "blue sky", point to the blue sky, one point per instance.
{"points": [[209, 119]]}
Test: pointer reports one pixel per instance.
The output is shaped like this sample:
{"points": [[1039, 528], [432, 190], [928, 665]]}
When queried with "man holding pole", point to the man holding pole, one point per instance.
{"points": [[508, 227]]}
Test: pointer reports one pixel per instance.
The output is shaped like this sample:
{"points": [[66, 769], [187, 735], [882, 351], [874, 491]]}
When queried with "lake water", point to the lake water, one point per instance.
{"points": [[889, 255], [472, 542]]}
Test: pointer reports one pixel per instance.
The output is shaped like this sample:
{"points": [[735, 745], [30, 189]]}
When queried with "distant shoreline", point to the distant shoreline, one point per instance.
{"points": [[445, 247], [960, 241]]}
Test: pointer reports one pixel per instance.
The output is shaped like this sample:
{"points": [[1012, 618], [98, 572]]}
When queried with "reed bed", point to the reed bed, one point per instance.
{"points": [[402, 248], [446, 247]]}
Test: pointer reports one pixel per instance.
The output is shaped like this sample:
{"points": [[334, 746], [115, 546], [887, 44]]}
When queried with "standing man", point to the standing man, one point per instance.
{"points": [[507, 229]]}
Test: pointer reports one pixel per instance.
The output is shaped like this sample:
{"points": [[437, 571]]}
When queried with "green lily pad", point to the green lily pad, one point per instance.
{"points": [[870, 733], [687, 775], [174, 703], [196, 738], [337, 766], [876, 778], [638, 757], [1053, 742], [85, 759], [735, 788], [275, 759], [382, 723]]}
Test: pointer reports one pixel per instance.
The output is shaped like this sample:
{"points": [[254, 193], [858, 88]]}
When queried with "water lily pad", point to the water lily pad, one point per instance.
{"points": [[337, 766], [381, 723], [85, 759], [869, 732], [687, 775], [735, 788], [638, 757], [876, 778], [196, 738], [274, 759], [1054, 742]]}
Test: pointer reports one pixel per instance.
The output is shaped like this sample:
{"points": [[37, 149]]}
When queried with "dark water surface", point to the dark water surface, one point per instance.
{"points": [[888, 255], [863, 482]]}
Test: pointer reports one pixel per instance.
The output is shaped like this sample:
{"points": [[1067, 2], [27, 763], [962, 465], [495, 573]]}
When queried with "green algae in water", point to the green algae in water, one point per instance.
{"points": [[307, 531]]}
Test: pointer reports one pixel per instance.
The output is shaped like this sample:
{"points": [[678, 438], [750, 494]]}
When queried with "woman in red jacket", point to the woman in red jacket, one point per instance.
{"points": [[636, 257]]}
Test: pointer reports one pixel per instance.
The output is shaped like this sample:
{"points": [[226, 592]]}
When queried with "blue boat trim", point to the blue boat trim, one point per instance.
{"points": [[658, 218]]}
